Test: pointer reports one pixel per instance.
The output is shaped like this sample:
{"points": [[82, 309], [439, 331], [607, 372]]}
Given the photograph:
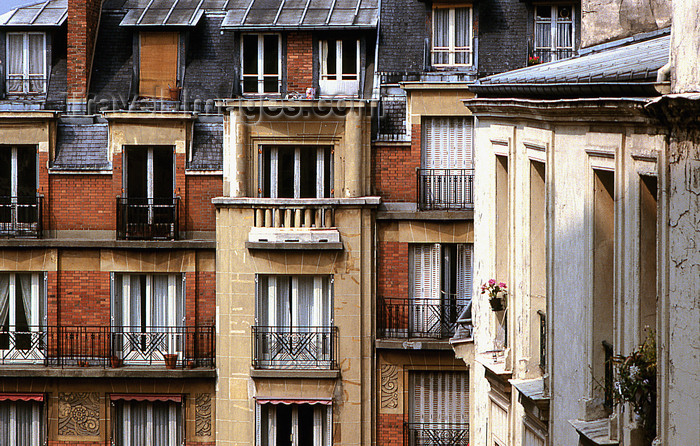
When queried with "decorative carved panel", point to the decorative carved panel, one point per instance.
{"points": [[389, 386], [202, 419], [79, 414]]}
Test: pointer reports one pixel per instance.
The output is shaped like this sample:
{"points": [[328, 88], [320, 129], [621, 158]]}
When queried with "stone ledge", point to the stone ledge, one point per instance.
{"points": [[413, 344], [98, 372], [250, 201], [294, 373], [426, 215], [301, 246], [114, 244]]}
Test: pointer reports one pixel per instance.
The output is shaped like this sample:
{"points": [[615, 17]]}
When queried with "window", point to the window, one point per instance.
{"points": [[23, 316], [648, 203], [148, 313], [158, 54], [26, 63], [154, 423], [439, 405], [261, 63], [21, 423], [441, 286], [296, 172], [554, 32], [149, 209], [446, 176], [340, 67], [452, 37], [294, 322], [19, 204], [293, 425]]}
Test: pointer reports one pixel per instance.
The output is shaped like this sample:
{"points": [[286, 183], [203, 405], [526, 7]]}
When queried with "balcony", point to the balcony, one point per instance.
{"points": [[295, 347], [294, 226], [100, 346], [419, 318], [436, 434], [148, 218], [20, 216], [445, 189]]}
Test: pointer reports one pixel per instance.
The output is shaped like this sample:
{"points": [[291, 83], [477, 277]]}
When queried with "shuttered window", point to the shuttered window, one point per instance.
{"points": [[499, 425], [447, 143], [20, 423], [157, 64], [440, 397]]}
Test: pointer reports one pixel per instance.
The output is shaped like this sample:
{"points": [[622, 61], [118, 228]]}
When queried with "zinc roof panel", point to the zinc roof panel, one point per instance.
{"points": [[260, 16], [290, 16], [315, 17], [233, 18], [154, 17], [342, 17], [366, 17]]}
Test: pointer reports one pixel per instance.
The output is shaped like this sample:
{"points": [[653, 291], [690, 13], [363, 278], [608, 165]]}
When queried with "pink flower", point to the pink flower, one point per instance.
{"points": [[492, 282], [502, 285]]}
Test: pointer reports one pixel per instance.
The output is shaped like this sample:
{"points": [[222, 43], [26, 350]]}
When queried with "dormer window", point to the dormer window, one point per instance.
{"points": [[158, 64], [26, 63], [452, 37], [261, 63], [554, 32], [340, 67]]}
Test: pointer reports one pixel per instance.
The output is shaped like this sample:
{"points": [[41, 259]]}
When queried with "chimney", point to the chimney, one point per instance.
{"points": [[83, 20]]}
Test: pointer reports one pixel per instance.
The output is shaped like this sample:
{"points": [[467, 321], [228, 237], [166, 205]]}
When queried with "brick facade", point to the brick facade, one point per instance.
{"points": [[395, 169], [299, 61], [390, 429], [84, 298], [83, 18], [81, 202], [200, 213], [392, 269]]}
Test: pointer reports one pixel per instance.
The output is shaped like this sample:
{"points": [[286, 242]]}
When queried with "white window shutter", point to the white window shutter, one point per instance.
{"points": [[464, 271]]}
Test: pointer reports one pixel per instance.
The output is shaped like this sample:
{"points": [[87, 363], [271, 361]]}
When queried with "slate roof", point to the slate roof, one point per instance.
{"points": [[162, 12], [48, 13], [207, 146], [301, 14], [82, 147], [633, 62]]}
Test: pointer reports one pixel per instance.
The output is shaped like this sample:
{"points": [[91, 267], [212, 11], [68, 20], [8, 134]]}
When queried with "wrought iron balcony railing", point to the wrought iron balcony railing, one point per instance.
{"points": [[436, 434], [445, 189], [295, 347], [100, 346], [148, 218], [20, 216], [419, 317]]}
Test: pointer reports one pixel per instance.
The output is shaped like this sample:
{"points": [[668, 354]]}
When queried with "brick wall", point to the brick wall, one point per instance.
{"points": [[81, 202], [83, 17], [84, 298], [299, 61], [200, 213], [390, 429], [392, 269], [395, 169]]}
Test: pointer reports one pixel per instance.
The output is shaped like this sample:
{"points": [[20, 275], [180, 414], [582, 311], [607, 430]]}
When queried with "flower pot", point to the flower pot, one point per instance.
{"points": [[115, 362], [174, 93], [190, 364], [170, 361], [498, 303]]}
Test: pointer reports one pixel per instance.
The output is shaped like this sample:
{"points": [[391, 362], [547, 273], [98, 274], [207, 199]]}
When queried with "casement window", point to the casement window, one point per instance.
{"points": [[21, 423], [554, 32], [153, 423], [452, 37], [296, 172], [18, 189], [294, 301], [293, 424], [447, 162], [158, 62], [440, 286], [147, 311], [261, 63], [23, 316], [150, 172], [26, 63], [340, 67]]}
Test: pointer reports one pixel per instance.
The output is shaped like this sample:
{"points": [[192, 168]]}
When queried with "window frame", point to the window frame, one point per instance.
{"points": [[26, 76], [264, 299], [554, 49], [125, 420], [37, 425], [323, 184], [451, 49], [339, 74], [260, 75], [38, 311], [321, 437]]}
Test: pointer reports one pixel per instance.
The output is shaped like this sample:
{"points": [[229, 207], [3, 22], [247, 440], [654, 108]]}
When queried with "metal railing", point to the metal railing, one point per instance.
{"points": [[445, 189], [148, 218], [20, 216], [295, 347], [436, 434], [297, 217], [104, 346], [419, 318], [543, 339]]}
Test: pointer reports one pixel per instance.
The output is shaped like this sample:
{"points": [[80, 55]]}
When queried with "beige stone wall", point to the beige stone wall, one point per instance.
{"points": [[148, 129], [436, 102], [353, 303], [607, 20], [408, 231]]}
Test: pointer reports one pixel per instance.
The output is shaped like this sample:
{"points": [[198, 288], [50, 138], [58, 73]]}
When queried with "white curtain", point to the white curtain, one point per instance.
{"points": [[464, 271], [36, 62], [5, 427], [441, 39], [462, 35], [303, 294], [15, 71], [25, 281], [147, 423], [160, 301], [4, 298], [136, 318]]}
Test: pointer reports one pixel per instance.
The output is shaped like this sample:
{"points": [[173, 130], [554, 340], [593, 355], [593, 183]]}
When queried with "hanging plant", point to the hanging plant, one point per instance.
{"points": [[497, 293]]}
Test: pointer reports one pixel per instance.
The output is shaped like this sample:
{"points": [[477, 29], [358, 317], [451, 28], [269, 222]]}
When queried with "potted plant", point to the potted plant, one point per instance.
{"points": [[115, 362], [497, 294], [636, 384], [170, 360]]}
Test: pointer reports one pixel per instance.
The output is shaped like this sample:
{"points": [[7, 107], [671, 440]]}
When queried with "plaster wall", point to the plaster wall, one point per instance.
{"points": [[571, 151], [685, 47], [606, 20]]}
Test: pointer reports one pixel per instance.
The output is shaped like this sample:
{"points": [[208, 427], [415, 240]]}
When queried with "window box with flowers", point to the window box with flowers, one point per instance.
{"points": [[497, 294]]}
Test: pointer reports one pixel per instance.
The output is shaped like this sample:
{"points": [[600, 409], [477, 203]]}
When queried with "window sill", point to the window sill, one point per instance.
{"points": [[294, 373], [40, 371], [301, 246]]}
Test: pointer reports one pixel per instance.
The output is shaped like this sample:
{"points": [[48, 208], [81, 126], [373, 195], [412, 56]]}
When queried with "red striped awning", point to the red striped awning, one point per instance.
{"points": [[22, 397], [146, 397], [288, 401]]}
